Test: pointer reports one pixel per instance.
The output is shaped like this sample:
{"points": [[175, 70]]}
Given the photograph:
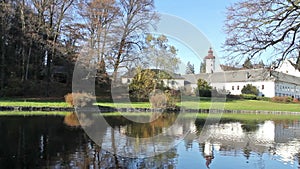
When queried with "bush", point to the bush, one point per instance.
{"points": [[279, 99], [295, 100], [248, 96], [249, 89], [263, 98], [158, 100], [79, 99], [203, 93], [166, 99], [233, 97]]}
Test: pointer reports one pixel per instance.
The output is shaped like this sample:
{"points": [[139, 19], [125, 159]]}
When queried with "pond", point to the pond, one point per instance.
{"points": [[56, 142]]}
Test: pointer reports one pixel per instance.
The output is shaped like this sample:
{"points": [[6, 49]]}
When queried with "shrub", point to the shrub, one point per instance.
{"points": [[249, 89], [158, 100], [248, 96], [79, 99], [166, 99], [203, 88], [295, 100], [203, 93], [284, 99], [263, 98], [233, 97]]}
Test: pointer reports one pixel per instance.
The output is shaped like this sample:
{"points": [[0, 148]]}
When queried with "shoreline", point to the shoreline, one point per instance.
{"points": [[106, 109]]}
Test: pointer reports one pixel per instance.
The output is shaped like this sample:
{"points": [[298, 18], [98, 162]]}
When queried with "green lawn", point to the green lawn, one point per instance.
{"points": [[32, 113], [32, 103], [193, 104], [245, 105], [230, 105]]}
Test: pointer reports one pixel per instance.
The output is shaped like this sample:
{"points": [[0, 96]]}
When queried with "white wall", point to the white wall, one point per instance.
{"points": [[172, 83], [210, 65], [266, 88]]}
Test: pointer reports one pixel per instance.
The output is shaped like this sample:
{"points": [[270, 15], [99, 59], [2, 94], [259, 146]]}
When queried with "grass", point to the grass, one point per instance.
{"points": [[35, 113], [191, 103], [230, 105], [33, 103]]}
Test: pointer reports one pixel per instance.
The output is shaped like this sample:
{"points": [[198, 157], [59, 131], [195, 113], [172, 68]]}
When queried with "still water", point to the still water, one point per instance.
{"points": [[58, 142]]}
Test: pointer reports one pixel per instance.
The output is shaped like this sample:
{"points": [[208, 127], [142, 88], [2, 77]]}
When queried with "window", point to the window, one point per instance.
{"points": [[238, 87], [232, 87], [262, 87]]}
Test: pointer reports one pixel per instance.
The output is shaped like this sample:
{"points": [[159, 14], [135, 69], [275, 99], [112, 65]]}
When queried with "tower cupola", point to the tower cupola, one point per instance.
{"points": [[210, 61]]}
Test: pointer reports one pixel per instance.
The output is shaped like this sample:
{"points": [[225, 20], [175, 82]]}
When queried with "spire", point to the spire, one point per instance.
{"points": [[210, 54]]}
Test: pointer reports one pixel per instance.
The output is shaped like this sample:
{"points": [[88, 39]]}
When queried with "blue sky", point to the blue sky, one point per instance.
{"points": [[207, 16]]}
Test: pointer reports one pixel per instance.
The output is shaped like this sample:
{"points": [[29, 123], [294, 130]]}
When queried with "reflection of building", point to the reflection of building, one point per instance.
{"points": [[277, 138]]}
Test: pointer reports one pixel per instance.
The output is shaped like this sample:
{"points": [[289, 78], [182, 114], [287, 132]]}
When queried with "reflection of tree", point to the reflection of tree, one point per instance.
{"points": [[157, 122], [249, 126], [155, 127], [247, 151], [199, 123], [71, 120]]}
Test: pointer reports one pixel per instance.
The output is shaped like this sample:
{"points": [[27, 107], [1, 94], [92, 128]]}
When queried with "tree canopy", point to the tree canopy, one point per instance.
{"points": [[40, 41], [190, 68], [256, 26]]}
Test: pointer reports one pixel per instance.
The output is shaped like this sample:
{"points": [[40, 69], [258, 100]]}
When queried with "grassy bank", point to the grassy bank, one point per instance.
{"points": [[35, 113], [238, 117], [229, 105], [33, 102], [193, 104]]}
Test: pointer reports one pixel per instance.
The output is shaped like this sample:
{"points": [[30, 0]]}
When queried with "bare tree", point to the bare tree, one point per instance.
{"points": [[52, 14], [254, 26], [137, 16], [99, 22], [5, 11]]}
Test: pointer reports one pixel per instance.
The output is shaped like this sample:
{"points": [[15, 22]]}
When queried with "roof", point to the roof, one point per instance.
{"points": [[210, 54], [247, 75]]}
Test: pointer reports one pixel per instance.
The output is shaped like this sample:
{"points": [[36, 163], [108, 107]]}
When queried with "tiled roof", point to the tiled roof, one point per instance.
{"points": [[248, 75]]}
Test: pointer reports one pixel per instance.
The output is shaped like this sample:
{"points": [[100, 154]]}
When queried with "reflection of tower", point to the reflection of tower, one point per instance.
{"points": [[210, 62], [208, 153]]}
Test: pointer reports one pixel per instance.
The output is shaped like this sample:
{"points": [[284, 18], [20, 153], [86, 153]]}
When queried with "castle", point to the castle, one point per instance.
{"points": [[282, 81]]}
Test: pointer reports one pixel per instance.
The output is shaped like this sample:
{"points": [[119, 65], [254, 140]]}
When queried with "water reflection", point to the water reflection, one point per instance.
{"points": [[48, 142]]}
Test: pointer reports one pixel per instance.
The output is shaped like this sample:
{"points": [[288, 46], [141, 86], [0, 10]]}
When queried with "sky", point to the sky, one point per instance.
{"points": [[207, 16]]}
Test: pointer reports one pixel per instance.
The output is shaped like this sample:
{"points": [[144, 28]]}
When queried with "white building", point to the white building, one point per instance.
{"points": [[284, 81]]}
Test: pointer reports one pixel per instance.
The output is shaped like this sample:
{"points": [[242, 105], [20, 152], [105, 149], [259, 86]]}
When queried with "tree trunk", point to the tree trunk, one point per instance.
{"points": [[2, 64], [118, 59], [28, 61]]}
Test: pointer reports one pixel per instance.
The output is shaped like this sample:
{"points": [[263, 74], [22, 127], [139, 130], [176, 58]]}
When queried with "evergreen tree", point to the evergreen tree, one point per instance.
{"points": [[248, 64], [190, 68], [202, 67]]}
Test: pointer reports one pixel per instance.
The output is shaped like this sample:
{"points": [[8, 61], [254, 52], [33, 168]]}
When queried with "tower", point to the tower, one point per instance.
{"points": [[210, 62]]}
